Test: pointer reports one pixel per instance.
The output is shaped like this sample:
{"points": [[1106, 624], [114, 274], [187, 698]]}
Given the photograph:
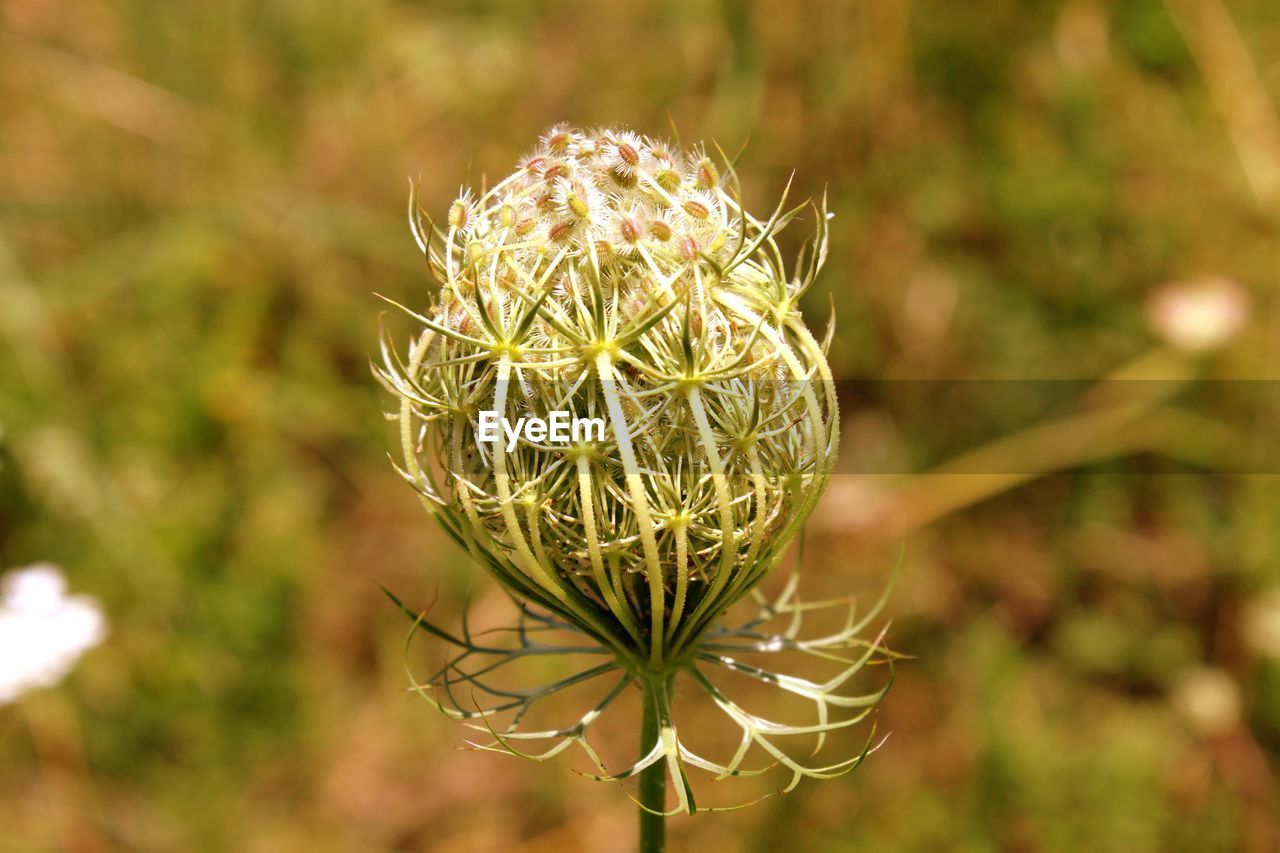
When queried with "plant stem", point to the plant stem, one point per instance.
{"points": [[653, 779]]}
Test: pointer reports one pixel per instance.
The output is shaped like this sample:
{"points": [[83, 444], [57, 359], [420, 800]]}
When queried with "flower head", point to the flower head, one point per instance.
{"points": [[617, 278], [645, 304]]}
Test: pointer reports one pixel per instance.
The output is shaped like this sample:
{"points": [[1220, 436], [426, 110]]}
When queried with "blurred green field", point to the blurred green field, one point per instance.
{"points": [[198, 201]]}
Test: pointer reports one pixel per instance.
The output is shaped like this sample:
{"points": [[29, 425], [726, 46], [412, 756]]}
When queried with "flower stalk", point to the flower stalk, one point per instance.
{"points": [[653, 779]]}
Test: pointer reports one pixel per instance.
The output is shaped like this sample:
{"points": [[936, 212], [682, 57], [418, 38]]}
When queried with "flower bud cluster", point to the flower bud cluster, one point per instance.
{"points": [[618, 276]]}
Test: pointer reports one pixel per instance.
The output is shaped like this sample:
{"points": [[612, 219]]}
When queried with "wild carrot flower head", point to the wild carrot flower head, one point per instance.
{"points": [[656, 306], [618, 279]]}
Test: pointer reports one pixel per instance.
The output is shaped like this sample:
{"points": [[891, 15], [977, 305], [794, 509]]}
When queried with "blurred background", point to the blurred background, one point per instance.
{"points": [[197, 202]]}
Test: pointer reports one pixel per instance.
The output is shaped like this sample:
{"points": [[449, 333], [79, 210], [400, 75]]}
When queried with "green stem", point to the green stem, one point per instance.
{"points": [[653, 779]]}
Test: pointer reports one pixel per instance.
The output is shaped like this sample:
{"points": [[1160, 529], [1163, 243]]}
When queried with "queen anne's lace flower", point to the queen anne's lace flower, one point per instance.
{"points": [[618, 278], [43, 631], [640, 303]]}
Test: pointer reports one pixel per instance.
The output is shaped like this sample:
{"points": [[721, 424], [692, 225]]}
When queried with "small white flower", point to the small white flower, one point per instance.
{"points": [[625, 153], [661, 152], [627, 229], [699, 210], [560, 140], [536, 162], [1199, 315], [462, 213], [665, 165], [43, 631], [704, 175], [591, 144], [658, 228], [579, 199], [517, 214]]}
